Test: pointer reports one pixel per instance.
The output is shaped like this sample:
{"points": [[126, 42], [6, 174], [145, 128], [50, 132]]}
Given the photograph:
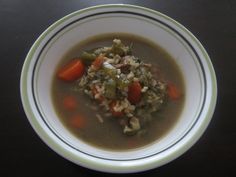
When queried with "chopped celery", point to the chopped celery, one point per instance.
{"points": [[110, 89]]}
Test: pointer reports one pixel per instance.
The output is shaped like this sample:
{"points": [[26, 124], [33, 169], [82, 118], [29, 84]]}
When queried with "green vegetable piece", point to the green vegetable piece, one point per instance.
{"points": [[110, 89], [109, 70], [122, 84], [129, 51], [112, 72], [119, 48], [88, 58]]}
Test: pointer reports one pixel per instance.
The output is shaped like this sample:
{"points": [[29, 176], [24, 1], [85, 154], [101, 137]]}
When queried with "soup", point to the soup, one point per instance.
{"points": [[118, 91]]}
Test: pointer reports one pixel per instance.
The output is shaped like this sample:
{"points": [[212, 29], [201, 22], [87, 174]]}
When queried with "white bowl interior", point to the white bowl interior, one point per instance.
{"points": [[126, 23]]}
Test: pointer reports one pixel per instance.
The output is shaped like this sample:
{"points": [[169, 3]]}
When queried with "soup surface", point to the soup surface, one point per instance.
{"points": [[110, 126]]}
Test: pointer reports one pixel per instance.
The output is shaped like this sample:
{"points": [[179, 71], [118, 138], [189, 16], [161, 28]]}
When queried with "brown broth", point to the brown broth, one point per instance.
{"points": [[108, 135]]}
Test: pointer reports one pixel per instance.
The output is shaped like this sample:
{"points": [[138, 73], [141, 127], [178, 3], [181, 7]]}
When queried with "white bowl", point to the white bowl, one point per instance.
{"points": [[187, 51]]}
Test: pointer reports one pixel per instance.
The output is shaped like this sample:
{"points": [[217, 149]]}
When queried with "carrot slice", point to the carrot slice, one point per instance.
{"points": [[134, 92], [70, 102], [78, 121], [72, 70], [113, 112], [173, 91], [97, 63]]}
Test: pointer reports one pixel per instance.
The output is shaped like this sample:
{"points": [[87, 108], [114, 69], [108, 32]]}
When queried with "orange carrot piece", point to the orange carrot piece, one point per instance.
{"points": [[70, 102], [173, 91], [78, 121], [97, 63], [72, 70], [134, 92]]}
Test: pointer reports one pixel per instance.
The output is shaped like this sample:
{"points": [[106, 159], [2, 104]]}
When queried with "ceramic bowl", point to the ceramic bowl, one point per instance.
{"points": [[187, 51]]}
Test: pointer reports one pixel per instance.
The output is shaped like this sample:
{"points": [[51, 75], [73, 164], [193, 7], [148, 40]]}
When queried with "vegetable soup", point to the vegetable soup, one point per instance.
{"points": [[118, 91]]}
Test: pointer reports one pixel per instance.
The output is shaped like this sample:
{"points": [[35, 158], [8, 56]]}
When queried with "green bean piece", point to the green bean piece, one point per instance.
{"points": [[88, 58]]}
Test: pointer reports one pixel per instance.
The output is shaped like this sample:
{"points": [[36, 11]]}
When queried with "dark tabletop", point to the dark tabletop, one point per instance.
{"points": [[22, 153]]}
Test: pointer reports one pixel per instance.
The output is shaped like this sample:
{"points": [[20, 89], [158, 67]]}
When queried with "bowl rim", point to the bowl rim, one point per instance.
{"points": [[91, 163]]}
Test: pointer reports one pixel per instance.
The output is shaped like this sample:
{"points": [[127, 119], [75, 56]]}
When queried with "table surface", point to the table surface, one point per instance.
{"points": [[213, 22]]}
